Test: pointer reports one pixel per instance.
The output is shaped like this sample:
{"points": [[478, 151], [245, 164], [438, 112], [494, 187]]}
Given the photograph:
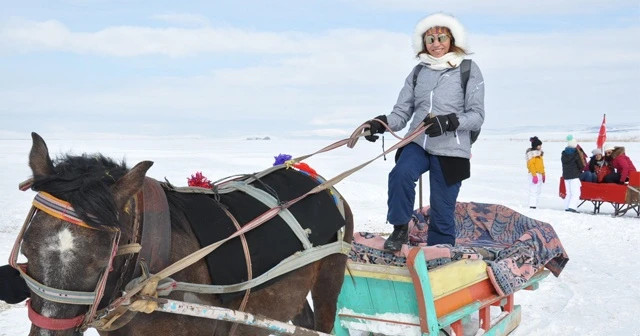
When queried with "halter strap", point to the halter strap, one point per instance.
{"points": [[58, 208], [63, 210], [50, 323]]}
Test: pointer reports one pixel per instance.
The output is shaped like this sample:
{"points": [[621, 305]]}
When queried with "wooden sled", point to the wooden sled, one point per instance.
{"points": [[410, 300], [622, 197]]}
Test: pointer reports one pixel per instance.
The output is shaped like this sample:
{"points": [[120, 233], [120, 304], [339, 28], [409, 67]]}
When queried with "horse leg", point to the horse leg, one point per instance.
{"points": [[329, 281], [305, 318], [281, 301]]}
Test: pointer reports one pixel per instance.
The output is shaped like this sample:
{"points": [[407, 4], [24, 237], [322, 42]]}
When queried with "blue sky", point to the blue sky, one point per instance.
{"points": [[290, 68]]}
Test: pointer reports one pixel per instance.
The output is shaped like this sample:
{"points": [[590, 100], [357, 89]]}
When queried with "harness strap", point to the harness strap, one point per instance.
{"points": [[201, 253], [292, 263], [247, 260], [47, 293], [156, 227], [59, 209], [268, 200], [128, 249], [58, 295], [52, 323]]}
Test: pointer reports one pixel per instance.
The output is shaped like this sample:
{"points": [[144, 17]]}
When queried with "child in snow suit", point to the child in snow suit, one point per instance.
{"points": [[535, 165]]}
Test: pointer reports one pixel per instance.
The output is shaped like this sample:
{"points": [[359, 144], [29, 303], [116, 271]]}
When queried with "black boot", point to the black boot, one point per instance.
{"points": [[399, 236]]}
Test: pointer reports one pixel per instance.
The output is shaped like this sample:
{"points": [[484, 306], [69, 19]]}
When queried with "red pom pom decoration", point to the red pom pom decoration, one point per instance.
{"points": [[305, 167], [199, 180]]}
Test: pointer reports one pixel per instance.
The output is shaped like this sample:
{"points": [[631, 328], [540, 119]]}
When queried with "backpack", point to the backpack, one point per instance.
{"points": [[465, 69]]}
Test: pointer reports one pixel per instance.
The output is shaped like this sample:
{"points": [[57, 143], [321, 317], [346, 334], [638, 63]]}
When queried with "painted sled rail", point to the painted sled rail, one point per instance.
{"points": [[229, 315]]}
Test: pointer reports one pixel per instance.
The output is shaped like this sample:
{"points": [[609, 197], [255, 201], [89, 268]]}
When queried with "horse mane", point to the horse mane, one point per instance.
{"points": [[84, 181]]}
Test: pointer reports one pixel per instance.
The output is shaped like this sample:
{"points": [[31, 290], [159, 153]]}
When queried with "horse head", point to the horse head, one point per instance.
{"points": [[83, 210]]}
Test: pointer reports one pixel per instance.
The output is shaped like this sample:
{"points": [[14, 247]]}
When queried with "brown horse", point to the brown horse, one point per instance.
{"points": [[71, 257]]}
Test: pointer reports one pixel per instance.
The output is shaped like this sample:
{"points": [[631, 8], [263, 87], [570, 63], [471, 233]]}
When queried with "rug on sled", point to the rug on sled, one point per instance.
{"points": [[514, 246]]}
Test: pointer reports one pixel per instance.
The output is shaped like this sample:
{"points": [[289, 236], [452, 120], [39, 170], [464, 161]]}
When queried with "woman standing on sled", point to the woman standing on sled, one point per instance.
{"points": [[437, 98]]}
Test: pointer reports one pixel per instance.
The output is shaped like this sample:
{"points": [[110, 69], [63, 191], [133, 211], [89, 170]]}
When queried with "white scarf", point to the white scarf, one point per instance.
{"points": [[442, 62]]}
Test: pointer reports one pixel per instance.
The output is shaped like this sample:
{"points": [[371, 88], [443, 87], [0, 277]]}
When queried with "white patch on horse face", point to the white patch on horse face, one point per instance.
{"points": [[62, 245], [47, 311], [65, 239]]}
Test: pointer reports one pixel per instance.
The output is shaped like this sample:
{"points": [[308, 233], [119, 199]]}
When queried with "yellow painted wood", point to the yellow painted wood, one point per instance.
{"points": [[444, 280], [455, 276], [381, 276]]}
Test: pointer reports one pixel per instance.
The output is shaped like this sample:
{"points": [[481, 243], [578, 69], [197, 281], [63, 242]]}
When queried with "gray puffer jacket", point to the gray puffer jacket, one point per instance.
{"points": [[440, 92]]}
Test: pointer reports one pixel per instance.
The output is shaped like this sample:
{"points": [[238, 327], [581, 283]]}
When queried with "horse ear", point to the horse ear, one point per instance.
{"points": [[39, 159], [130, 184]]}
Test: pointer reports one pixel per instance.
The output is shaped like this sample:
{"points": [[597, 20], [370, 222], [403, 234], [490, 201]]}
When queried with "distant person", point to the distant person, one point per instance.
{"points": [[621, 163], [436, 98], [535, 165], [572, 165], [597, 168]]}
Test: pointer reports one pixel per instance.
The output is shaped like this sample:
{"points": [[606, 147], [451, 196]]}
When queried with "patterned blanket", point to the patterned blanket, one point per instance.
{"points": [[514, 246]]}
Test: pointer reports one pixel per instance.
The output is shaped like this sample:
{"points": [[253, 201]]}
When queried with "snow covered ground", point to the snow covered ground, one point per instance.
{"points": [[598, 292]]}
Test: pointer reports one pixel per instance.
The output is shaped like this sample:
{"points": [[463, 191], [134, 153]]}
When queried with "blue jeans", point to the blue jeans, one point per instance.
{"points": [[588, 176], [413, 162]]}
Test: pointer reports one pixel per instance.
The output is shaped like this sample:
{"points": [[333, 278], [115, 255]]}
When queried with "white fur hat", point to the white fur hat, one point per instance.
{"points": [[609, 147], [439, 20], [571, 141]]}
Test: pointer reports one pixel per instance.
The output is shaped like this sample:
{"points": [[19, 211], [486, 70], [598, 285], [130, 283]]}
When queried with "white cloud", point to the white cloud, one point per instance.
{"points": [[19, 35], [500, 7], [333, 80]]}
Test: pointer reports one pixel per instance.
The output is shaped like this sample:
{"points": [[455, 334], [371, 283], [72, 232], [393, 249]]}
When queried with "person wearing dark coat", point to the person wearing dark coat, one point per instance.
{"points": [[572, 165], [13, 289]]}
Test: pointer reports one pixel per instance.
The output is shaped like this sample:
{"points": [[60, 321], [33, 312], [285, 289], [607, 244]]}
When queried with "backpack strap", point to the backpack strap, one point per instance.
{"points": [[416, 72], [465, 69]]}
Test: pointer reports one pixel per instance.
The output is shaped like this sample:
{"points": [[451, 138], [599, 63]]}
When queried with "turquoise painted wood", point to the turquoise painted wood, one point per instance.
{"points": [[368, 297], [459, 314], [363, 300], [507, 324], [406, 297], [420, 266]]}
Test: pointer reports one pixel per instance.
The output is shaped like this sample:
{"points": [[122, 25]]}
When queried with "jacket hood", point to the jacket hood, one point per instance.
{"points": [[531, 153], [617, 151], [439, 20]]}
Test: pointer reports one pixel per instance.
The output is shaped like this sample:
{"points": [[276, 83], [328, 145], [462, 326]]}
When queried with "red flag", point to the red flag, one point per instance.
{"points": [[602, 135]]}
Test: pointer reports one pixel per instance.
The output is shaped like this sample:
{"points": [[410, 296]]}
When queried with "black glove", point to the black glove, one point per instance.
{"points": [[441, 124], [376, 127]]}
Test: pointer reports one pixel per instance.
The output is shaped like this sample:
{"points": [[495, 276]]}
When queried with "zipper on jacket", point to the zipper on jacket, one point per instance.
{"points": [[424, 144], [455, 135]]}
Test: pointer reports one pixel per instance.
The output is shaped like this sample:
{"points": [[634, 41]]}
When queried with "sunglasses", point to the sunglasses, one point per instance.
{"points": [[442, 38]]}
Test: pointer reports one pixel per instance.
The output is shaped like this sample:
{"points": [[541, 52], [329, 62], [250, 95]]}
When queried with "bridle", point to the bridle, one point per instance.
{"points": [[63, 210]]}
